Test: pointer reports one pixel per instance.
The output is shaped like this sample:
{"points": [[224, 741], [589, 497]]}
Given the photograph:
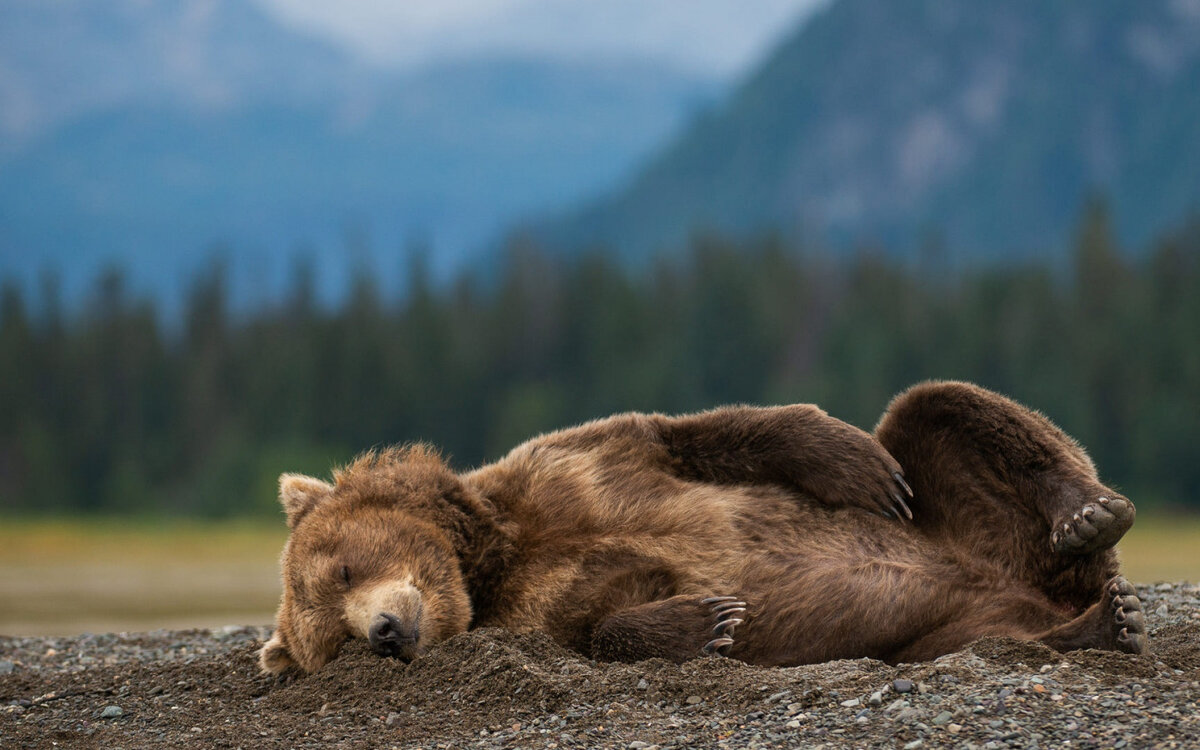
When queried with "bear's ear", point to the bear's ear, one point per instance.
{"points": [[299, 494], [274, 658]]}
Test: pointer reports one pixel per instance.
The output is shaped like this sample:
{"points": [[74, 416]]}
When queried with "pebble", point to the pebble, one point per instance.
{"points": [[638, 745], [642, 684], [876, 698], [7, 667], [914, 744], [392, 718], [851, 703], [1162, 610], [943, 717], [793, 724], [111, 712], [908, 714], [902, 686], [693, 700]]}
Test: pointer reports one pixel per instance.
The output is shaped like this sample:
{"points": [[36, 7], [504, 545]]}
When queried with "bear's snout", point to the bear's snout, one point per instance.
{"points": [[390, 636]]}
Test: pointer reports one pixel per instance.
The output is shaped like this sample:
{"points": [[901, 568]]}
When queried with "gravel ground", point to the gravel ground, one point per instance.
{"points": [[494, 689]]}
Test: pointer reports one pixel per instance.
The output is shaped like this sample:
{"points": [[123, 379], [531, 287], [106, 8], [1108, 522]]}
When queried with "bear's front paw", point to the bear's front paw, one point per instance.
{"points": [[725, 612], [850, 468]]}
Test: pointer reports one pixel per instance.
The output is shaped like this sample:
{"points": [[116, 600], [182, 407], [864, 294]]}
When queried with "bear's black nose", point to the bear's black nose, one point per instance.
{"points": [[391, 637]]}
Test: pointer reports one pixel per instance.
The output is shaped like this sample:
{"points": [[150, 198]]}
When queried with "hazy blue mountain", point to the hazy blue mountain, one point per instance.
{"points": [[988, 123], [63, 59], [142, 134]]}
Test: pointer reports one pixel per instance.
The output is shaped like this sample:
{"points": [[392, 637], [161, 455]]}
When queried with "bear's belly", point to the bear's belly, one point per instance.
{"points": [[750, 542]]}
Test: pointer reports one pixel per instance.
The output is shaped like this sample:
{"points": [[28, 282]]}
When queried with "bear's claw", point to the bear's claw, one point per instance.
{"points": [[1096, 526], [725, 609], [1128, 621]]}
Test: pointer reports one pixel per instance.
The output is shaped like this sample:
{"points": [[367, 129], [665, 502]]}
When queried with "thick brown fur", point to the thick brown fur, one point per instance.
{"points": [[609, 536]]}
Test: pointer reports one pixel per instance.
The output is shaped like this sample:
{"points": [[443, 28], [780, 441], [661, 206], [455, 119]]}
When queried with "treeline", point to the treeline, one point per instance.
{"points": [[109, 410]]}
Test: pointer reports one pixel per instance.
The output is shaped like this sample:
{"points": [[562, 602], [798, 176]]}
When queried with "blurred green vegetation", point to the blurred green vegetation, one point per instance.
{"points": [[109, 410]]}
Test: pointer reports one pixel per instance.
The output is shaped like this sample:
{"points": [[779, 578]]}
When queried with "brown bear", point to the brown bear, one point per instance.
{"points": [[644, 536]]}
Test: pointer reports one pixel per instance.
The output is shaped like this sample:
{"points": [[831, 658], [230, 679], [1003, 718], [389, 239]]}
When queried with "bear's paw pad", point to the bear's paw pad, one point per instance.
{"points": [[1126, 618], [1096, 526]]}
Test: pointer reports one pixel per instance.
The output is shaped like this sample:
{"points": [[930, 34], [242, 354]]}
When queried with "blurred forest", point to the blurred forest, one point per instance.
{"points": [[109, 409]]}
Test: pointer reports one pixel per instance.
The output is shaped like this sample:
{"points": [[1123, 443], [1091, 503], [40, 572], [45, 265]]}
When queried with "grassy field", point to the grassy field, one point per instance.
{"points": [[69, 577]]}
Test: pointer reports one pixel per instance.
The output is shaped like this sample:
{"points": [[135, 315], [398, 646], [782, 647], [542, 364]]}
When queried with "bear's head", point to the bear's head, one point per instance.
{"points": [[375, 555]]}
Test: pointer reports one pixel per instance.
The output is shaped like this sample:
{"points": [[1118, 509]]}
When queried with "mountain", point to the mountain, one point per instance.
{"points": [[144, 134], [891, 121], [68, 58]]}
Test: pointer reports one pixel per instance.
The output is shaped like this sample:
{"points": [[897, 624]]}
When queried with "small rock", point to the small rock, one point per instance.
{"points": [[642, 684], [908, 714], [851, 703], [7, 667], [953, 728], [902, 686], [776, 696], [392, 718], [914, 744], [897, 705], [793, 724], [1162, 610], [942, 718], [638, 745], [111, 712], [1046, 668], [876, 698], [693, 700], [863, 714], [1163, 587]]}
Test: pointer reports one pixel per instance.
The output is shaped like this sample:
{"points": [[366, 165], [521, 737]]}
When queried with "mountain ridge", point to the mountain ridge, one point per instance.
{"points": [[302, 153], [883, 121]]}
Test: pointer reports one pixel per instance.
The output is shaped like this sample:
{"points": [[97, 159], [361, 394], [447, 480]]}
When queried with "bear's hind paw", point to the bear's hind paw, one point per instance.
{"points": [[1128, 622], [1096, 526]]}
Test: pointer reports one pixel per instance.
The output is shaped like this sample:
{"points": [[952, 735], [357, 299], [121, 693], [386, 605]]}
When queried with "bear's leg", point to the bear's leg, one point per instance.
{"points": [[1114, 623], [1002, 480], [680, 628]]}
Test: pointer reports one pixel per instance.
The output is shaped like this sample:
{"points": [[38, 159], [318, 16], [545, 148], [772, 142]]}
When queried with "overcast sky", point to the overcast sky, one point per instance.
{"points": [[713, 37]]}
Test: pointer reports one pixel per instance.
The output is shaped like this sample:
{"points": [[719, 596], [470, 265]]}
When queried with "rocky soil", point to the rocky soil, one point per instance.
{"points": [[494, 689]]}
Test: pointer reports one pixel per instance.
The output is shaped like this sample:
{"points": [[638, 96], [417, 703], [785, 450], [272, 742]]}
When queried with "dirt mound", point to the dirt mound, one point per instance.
{"points": [[492, 688]]}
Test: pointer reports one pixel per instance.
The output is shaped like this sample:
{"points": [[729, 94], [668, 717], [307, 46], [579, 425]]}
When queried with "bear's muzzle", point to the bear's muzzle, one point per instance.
{"points": [[391, 636]]}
